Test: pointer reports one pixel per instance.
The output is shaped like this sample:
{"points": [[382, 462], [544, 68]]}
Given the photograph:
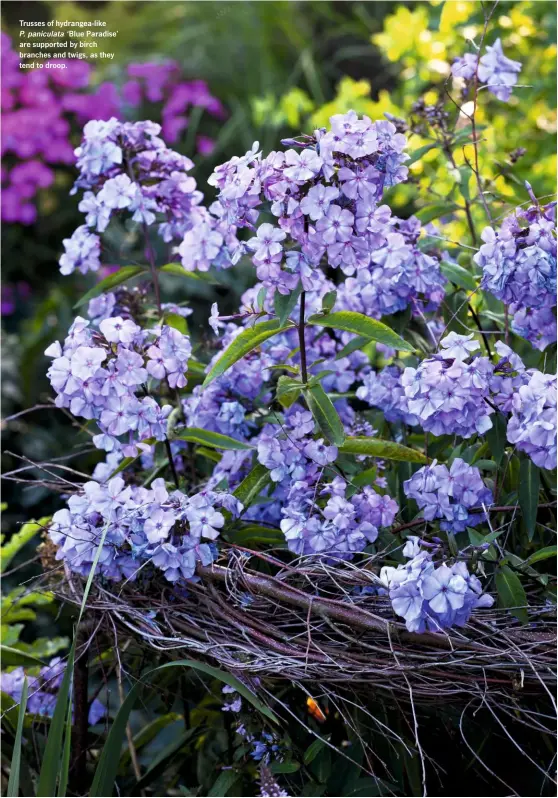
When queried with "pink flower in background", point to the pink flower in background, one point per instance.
{"points": [[41, 106], [161, 82]]}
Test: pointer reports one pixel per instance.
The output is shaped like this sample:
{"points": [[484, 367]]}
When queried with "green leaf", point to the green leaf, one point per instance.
{"points": [[177, 322], [13, 781], [252, 485], [288, 390], [13, 657], [284, 304], [328, 301], [248, 340], [458, 275], [179, 271], [417, 154], [124, 274], [496, 437], [528, 494], [325, 414], [313, 750], [225, 782], [285, 767], [19, 539], [66, 753], [212, 439], [252, 534], [359, 324], [53, 757], [387, 450], [431, 212], [542, 554], [511, 594]]}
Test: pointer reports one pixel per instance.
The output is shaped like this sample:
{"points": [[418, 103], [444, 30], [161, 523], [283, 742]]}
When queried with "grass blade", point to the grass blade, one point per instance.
{"points": [[13, 782]]}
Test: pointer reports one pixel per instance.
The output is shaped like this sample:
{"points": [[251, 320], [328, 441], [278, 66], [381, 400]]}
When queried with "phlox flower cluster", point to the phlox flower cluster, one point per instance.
{"points": [[38, 109], [447, 391], [322, 194], [518, 264], [494, 69], [43, 690], [383, 389], [142, 526], [102, 374], [342, 527], [429, 596], [399, 274], [126, 166], [449, 494], [161, 82], [532, 426]]}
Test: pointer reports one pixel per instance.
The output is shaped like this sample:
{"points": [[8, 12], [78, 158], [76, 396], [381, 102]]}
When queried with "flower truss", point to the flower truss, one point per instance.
{"points": [[305, 376]]}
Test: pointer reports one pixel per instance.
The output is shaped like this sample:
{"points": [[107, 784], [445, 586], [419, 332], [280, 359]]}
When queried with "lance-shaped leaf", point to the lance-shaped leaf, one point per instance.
{"points": [[284, 304], [387, 450], [13, 657], [212, 439], [529, 479], [13, 782], [325, 414], [359, 324], [252, 485], [288, 390], [123, 274], [511, 593], [179, 271], [458, 275], [542, 554], [248, 340]]}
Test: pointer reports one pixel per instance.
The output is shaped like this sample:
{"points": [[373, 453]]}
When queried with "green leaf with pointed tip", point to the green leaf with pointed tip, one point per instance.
{"points": [[123, 274], [496, 438], [179, 271], [13, 781], [248, 340], [528, 494], [288, 391], [511, 594], [542, 554], [325, 414], [328, 301], [359, 324], [284, 304], [12, 657], [53, 758], [458, 275], [386, 450], [313, 750], [252, 485], [224, 783], [212, 439], [252, 534]]}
